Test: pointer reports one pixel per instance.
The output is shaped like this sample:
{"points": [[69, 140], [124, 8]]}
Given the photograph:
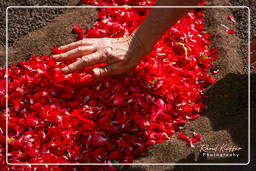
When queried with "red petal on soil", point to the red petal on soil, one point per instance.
{"points": [[230, 31]]}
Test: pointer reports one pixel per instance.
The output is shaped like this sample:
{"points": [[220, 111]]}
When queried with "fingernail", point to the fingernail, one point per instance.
{"points": [[96, 71], [59, 48], [55, 57], [64, 70]]}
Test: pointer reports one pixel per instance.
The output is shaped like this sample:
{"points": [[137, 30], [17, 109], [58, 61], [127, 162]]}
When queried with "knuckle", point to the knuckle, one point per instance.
{"points": [[70, 68], [107, 52], [93, 47], [63, 55], [84, 60], [99, 43], [80, 49], [83, 42], [101, 58], [122, 58]]}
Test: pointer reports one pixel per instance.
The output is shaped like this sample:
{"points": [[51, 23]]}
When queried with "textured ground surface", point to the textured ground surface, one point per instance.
{"points": [[225, 121], [24, 21]]}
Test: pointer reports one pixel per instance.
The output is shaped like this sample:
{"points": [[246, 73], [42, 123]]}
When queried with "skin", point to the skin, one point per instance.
{"points": [[123, 54]]}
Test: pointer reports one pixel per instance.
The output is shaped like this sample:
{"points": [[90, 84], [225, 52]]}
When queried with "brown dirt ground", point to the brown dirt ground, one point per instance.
{"points": [[55, 33], [225, 120]]}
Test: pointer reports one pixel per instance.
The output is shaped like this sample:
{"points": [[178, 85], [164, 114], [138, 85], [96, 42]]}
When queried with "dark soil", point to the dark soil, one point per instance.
{"points": [[22, 21], [242, 27], [241, 16], [50, 31], [226, 119]]}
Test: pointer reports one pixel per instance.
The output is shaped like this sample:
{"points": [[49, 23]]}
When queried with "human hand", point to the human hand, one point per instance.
{"points": [[122, 55]]}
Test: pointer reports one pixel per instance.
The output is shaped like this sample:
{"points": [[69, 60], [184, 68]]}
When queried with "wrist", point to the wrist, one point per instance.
{"points": [[137, 43]]}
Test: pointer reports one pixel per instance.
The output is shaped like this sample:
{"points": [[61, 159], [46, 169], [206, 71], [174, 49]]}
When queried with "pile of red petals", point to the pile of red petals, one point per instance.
{"points": [[74, 118]]}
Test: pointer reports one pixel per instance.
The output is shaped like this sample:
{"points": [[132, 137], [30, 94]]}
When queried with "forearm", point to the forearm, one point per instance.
{"points": [[159, 20]]}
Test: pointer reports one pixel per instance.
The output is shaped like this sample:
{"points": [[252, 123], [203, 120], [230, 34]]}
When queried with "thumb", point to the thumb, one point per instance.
{"points": [[105, 71]]}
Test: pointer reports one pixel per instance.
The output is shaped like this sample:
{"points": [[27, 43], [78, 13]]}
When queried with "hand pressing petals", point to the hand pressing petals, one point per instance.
{"points": [[121, 55]]}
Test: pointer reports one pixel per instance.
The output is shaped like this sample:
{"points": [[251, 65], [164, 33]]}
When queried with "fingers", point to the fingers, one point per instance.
{"points": [[74, 53], [85, 61], [83, 42], [108, 70]]}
